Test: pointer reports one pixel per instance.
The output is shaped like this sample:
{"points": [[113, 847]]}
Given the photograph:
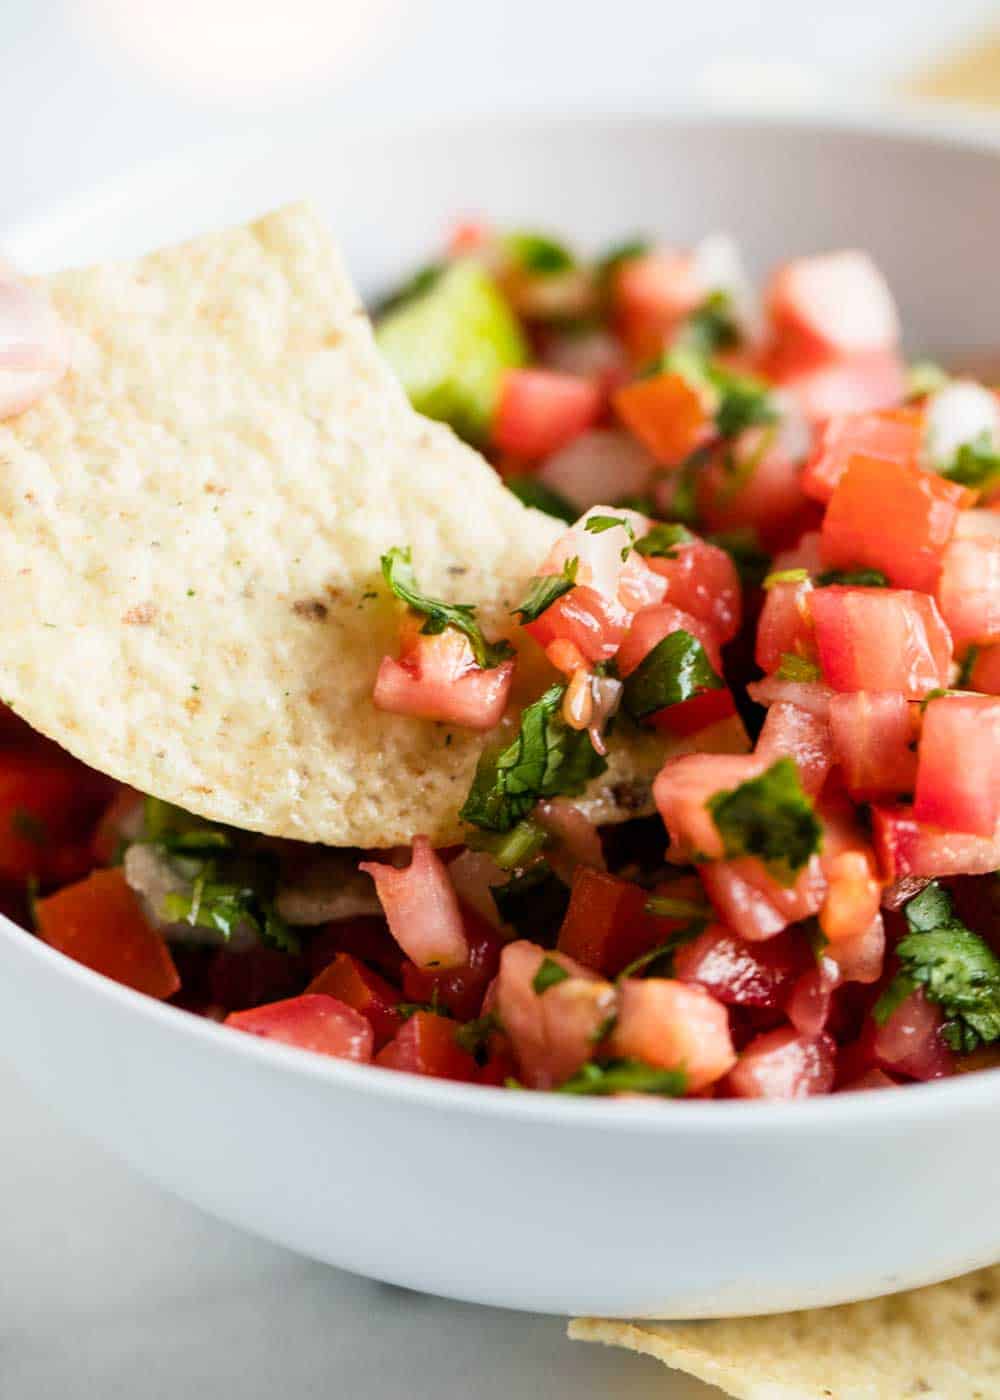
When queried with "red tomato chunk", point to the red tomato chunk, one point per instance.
{"points": [[881, 639], [318, 1023]]}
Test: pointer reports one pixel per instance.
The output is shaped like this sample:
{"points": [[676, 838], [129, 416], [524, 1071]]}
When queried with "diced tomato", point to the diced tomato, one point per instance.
{"points": [[907, 847], [753, 903], [872, 733], [651, 294], [894, 436], [852, 897], [309, 1022], [924, 509], [351, 982], [785, 627], [422, 908], [555, 1031], [794, 733], [602, 464], [541, 410], [705, 711], [585, 618], [702, 581], [809, 1004], [606, 925], [365, 937], [426, 1045], [804, 695], [121, 820], [831, 305], [682, 789], [756, 485], [910, 1041], [871, 1079], [599, 554], [667, 414], [48, 804], [674, 1025], [437, 678], [99, 922], [958, 767], [861, 957], [860, 383], [459, 990], [985, 674], [783, 1064], [652, 625], [740, 973], [968, 591], [881, 639]]}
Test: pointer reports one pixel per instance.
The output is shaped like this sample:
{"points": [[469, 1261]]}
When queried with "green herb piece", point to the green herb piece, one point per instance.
{"points": [[511, 849], [663, 540], [474, 1036], [785, 576], [533, 902], [771, 818], [744, 402], [665, 906], [923, 377], [597, 524], [547, 590], [625, 1077], [397, 570], [711, 327], [816, 938], [537, 253], [675, 670], [28, 826], [224, 907], [532, 492], [407, 1009], [976, 464], [684, 500], [611, 260], [546, 759], [666, 949], [415, 286], [745, 550], [797, 668], [549, 974], [853, 578], [938, 693], [966, 668], [956, 968]]}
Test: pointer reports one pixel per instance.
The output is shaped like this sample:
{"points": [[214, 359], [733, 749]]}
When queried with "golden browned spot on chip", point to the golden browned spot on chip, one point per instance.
{"points": [[311, 608], [141, 615]]}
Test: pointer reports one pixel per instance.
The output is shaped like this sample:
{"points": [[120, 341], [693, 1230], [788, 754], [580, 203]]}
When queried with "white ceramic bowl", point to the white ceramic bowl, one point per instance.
{"points": [[532, 1201]]}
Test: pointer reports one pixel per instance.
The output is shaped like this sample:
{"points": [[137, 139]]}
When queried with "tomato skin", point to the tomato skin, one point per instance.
{"points": [[872, 732], [541, 410], [99, 922], [437, 678], [749, 899], [701, 712], [702, 581], [606, 924], [924, 511], [422, 908], [652, 625], [674, 1025], [832, 305], [785, 626], [958, 765], [881, 639], [968, 592], [895, 436], [349, 981], [426, 1045], [738, 972], [309, 1022], [459, 990], [666, 413], [553, 1032], [783, 1064], [682, 789], [908, 847], [795, 733], [582, 616]]}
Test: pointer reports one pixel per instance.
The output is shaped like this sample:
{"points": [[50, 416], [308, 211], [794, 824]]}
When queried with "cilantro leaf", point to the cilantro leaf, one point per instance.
{"points": [[397, 570], [534, 902], [547, 590], [976, 463], [546, 759], [957, 969], [676, 669], [532, 492], [771, 818], [784, 576], [663, 540], [597, 524], [512, 849], [711, 327], [538, 253], [625, 1077], [853, 578], [966, 668], [549, 974], [474, 1036], [225, 907], [744, 402]]}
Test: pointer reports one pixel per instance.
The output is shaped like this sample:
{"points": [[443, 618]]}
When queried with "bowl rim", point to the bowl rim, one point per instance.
{"points": [[954, 126]]}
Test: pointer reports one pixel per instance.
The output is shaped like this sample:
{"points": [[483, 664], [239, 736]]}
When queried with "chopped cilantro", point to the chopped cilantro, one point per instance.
{"points": [[549, 974], [676, 669], [745, 550], [785, 576], [966, 668], [663, 540], [532, 492], [665, 906], [976, 463], [547, 590], [667, 948], [684, 500], [956, 968], [711, 327], [397, 570], [474, 1036], [797, 668], [771, 818], [853, 578], [533, 902], [512, 849], [546, 759], [597, 524], [224, 907], [538, 253], [625, 1077], [744, 402]]}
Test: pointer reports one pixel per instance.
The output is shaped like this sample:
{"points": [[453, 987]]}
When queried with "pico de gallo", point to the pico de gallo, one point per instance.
{"points": [[781, 555]]}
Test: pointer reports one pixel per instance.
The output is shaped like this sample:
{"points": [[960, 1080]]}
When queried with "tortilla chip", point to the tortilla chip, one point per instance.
{"points": [[190, 532], [940, 1343]]}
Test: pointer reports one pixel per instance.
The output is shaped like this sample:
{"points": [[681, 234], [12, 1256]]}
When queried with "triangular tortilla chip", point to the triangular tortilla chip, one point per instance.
{"points": [[940, 1343], [190, 532]]}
